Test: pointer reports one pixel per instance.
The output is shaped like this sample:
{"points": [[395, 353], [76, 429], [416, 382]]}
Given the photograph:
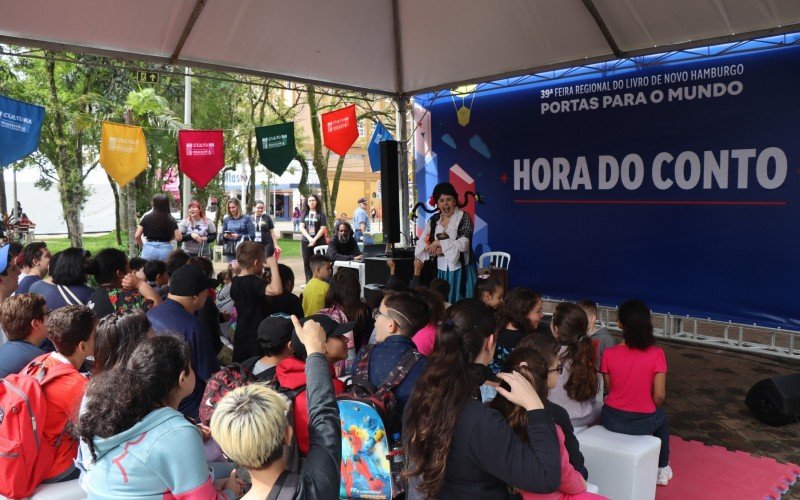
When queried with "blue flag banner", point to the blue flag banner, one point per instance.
{"points": [[673, 181], [20, 125], [374, 149]]}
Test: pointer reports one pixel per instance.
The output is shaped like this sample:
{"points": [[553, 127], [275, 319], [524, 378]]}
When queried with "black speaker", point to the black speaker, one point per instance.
{"points": [[775, 401], [390, 191]]}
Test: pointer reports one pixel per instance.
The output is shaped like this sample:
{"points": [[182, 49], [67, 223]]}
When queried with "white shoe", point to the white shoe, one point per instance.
{"points": [[664, 475]]}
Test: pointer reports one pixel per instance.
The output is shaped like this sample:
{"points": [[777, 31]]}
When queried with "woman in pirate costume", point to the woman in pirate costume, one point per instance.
{"points": [[447, 239]]}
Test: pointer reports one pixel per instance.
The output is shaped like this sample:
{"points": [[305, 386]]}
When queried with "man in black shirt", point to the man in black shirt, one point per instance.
{"points": [[344, 246]]}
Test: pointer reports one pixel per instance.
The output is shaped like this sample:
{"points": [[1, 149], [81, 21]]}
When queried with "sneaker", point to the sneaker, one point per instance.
{"points": [[664, 475]]}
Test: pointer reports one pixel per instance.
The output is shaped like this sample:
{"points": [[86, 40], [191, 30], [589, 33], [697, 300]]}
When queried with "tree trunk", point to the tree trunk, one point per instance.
{"points": [[70, 182], [130, 201], [3, 202], [117, 221]]}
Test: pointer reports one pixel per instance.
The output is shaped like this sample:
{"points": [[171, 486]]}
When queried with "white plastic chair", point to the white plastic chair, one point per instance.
{"points": [[321, 250], [494, 259]]}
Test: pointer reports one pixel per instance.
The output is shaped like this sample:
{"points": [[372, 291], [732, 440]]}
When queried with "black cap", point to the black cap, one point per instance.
{"points": [[189, 280], [332, 329], [274, 331], [362, 200]]}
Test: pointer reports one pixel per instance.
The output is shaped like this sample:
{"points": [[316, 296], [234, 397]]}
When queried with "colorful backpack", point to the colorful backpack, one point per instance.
{"points": [[366, 412], [25, 456]]}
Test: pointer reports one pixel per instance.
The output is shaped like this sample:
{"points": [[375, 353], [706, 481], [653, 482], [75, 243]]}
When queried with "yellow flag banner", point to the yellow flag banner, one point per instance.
{"points": [[123, 151]]}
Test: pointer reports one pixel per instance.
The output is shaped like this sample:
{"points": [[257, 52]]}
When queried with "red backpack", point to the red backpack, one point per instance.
{"points": [[221, 383], [25, 456]]}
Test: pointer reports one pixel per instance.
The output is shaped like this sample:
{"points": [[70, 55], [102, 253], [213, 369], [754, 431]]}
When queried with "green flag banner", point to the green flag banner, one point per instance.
{"points": [[276, 147]]}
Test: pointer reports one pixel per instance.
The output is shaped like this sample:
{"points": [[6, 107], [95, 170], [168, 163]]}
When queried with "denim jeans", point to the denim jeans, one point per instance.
{"points": [[156, 250], [640, 424]]}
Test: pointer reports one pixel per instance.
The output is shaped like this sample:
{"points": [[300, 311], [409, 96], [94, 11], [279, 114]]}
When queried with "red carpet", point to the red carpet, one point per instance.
{"points": [[713, 472]]}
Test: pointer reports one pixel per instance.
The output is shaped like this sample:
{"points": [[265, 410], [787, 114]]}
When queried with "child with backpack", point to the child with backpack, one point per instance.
{"points": [[249, 293], [251, 426], [398, 318], [274, 339], [39, 404], [291, 372], [23, 320]]}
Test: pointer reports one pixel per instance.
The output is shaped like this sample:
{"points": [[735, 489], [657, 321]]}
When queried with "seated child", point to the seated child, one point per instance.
{"points": [[425, 338], [287, 302], [137, 267], [155, 272], [317, 287], [23, 320], [541, 370], [291, 372], [601, 337], [489, 291], [519, 316], [578, 382], [635, 375], [72, 331], [396, 320], [442, 288]]}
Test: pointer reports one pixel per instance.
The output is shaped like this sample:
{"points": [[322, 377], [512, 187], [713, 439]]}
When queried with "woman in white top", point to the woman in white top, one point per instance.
{"points": [[447, 239]]}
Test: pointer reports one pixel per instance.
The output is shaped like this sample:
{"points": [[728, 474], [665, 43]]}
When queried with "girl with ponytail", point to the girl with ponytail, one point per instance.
{"points": [[142, 447], [447, 240], [541, 368], [578, 384], [458, 448]]}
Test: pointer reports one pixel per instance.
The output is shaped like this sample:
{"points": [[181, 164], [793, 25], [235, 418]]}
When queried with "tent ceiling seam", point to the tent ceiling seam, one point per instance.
{"points": [[598, 19], [187, 30]]}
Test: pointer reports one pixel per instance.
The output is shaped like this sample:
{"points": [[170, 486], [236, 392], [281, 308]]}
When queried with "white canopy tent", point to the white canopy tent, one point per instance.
{"points": [[391, 47]]}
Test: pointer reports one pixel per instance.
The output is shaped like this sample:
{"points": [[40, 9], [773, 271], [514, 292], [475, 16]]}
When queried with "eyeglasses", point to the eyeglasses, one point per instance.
{"points": [[377, 313], [559, 369]]}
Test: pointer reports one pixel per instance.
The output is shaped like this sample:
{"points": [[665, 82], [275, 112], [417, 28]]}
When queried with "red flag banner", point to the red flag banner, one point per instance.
{"points": [[339, 129], [201, 154]]}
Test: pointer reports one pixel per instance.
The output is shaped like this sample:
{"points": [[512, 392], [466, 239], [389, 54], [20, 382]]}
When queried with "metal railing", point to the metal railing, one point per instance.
{"points": [[754, 339]]}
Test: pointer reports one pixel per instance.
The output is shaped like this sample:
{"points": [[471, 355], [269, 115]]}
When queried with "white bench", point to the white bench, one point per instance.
{"points": [[623, 467]]}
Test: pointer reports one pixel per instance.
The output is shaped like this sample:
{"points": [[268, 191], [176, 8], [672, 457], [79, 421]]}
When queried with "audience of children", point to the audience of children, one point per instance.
{"points": [[249, 292], [317, 287], [541, 369], [577, 379], [455, 446], [635, 375], [137, 443], [250, 425]]}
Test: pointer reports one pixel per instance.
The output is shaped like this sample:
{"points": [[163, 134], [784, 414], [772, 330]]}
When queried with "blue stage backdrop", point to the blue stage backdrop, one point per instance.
{"points": [[677, 183]]}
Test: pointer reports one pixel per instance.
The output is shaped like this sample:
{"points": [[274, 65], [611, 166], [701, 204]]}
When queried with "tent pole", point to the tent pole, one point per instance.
{"points": [[402, 165], [14, 213], [187, 120]]}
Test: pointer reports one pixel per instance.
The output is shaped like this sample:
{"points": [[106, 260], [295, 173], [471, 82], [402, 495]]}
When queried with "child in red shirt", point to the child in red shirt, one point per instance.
{"points": [[635, 375], [72, 331]]}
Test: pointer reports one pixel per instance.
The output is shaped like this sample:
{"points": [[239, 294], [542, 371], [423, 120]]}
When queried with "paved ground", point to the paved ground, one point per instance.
{"points": [[706, 387]]}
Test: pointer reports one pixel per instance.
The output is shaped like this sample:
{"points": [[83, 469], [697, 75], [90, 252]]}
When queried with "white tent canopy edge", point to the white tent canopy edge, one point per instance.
{"points": [[389, 47]]}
